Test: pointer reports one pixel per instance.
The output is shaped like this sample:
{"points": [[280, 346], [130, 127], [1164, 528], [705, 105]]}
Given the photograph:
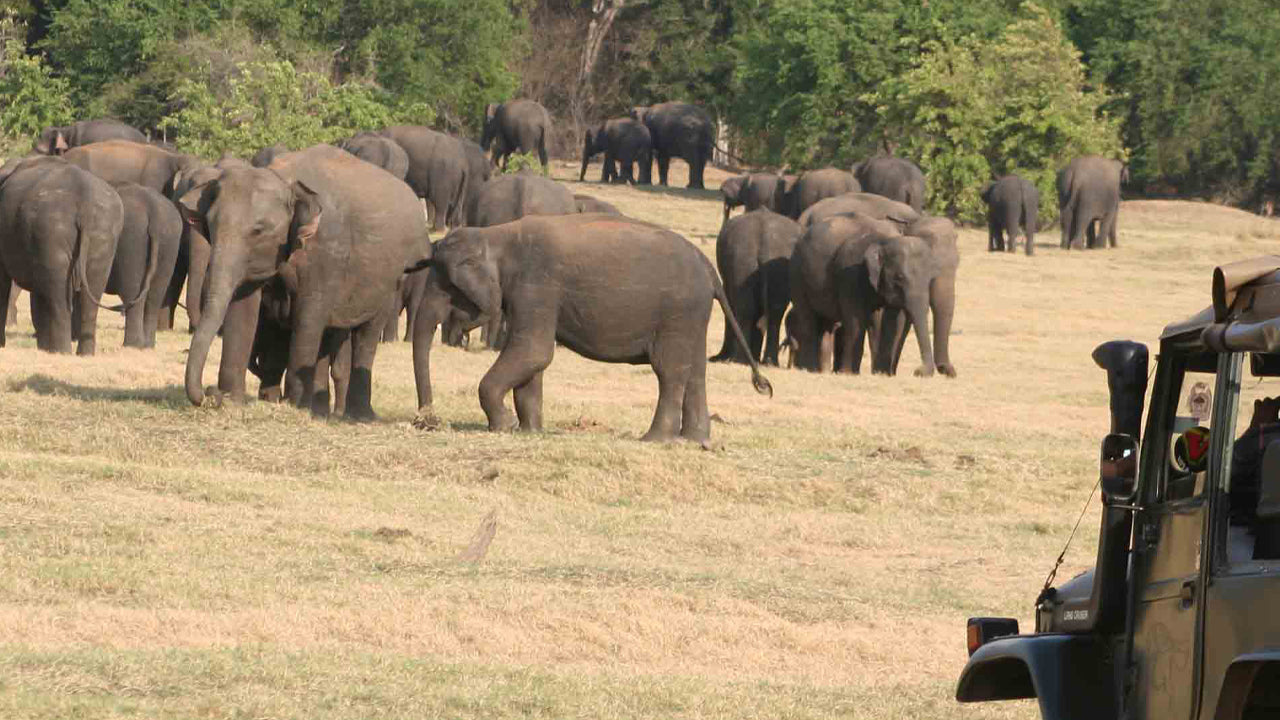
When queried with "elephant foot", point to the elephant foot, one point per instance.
{"points": [[426, 419], [270, 394], [504, 421], [361, 415], [947, 369], [924, 371]]}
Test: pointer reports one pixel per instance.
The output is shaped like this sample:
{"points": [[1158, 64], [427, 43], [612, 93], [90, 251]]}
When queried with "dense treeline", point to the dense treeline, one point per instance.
{"points": [[970, 89]]}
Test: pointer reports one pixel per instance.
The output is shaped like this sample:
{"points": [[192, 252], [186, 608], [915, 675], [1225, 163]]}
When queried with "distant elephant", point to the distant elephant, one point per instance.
{"points": [[753, 254], [895, 178], [438, 172], [1013, 205], [269, 359], [756, 190], [624, 142], [846, 268], [263, 157], [337, 231], [478, 172], [609, 288], [1089, 191], [816, 185], [588, 204], [145, 256], [121, 161], [12, 313], [877, 207], [57, 140], [516, 126], [58, 231], [510, 197], [378, 150], [406, 299], [939, 235], [679, 130]]}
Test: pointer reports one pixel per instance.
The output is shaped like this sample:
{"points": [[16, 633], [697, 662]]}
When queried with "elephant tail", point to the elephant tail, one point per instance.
{"points": [[153, 260], [79, 279], [761, 383]]}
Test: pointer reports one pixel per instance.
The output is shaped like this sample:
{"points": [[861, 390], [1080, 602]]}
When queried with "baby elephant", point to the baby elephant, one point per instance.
{"points": [[1012, 207], [609, 288], [144, 261]]}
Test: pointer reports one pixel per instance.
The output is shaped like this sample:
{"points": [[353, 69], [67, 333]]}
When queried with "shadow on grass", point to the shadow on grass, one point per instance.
{"points": [[171, 396]]}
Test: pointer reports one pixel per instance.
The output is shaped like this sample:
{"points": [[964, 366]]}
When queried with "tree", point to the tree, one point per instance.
{"points": [[31, 97]]}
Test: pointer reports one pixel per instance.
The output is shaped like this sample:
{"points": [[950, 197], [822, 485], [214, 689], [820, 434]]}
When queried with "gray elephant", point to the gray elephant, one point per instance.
{"points": [[438, 172], [609, 288], [121, 161], [757, 190], [939, 235], [869, 205], [679, 130], [625, 143], [895, 178], [337, 231], [58, 231], [406, 299], [12, 312], [266, 155], [144, 260], [269, 359], [817, 185], [378, 150], [510, 197], [1013, 207], [588, 204], [516, 126], [753, 254], [59, 139], [478, 171], [1089, 192], [846, 268]]}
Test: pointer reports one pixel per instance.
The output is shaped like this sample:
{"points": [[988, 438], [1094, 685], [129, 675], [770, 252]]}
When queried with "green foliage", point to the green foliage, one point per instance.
{"points": [[31, 97], [970, 110], [523, 161]]}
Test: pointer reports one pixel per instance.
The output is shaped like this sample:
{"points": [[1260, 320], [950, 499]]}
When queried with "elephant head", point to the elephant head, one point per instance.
{"points": [[467, 268], [732, 189], [640, 112], [593, 141], [259, 226], [52, 141], [900, 270]]}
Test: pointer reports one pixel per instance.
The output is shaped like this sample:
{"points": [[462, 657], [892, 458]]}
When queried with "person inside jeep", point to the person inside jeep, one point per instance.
{"points": [[1246, 459]]}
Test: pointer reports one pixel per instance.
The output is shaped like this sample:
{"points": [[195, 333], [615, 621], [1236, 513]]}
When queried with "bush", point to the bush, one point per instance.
{"points": [[31, 98], [521, 161]]}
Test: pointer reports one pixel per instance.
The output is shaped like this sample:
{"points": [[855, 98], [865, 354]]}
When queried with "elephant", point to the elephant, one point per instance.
{"points": [[756, 190], [378, 150], [864, 204], [679, 130], [12, 311], [1013, 205], [939, 235], [588, 204], [844, 269], [516, 125], [895, 178], [753, 253], [58, 139], [406, 299], [121, 161], [438, 172], [145, 256], [609, 288], [624, 142], [510, 197], [1088, 191], [266, 155], [816, 185], [478, 172], [269, 358], [58, 231], [337, 231]]}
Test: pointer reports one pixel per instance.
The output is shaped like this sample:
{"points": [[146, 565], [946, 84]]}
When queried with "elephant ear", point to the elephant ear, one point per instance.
{"points": [[60, 143], [471, 273], [875, 263], [195, 203], [307, 211], [986, 192]]}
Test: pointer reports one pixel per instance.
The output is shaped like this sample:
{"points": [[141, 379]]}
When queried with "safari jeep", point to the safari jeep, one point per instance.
{"points": [[1180, 617]]}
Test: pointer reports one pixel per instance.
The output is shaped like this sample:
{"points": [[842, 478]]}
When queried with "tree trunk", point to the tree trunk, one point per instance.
{"points": [[603, 13]]}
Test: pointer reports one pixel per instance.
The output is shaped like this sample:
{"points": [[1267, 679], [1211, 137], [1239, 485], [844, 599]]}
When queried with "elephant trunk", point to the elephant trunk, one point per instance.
{"points": [[225, 274], [942, 302], [918, 312], [586, 157]]}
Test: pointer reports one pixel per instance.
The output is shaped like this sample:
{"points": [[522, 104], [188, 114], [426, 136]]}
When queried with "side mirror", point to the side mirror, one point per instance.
{"points": [[1119, 468]]}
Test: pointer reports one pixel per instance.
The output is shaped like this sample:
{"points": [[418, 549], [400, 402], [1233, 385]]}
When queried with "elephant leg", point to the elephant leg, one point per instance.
{"points": [[391, 328], [320, 401], [542, 153], [1066, 219], [995, 238], [673, 371], [695, 418], [664, 164], [359, 392], [239, 327], [827, 348], [1091, 234], [526, 355], [1109, 222], [696, 168], [173, 292], [340, 369], [134, 329], [606, 167], [528, 402], [1010, 222], [851, 339], [8, 303], [86, 313], [891, 333], [304, 347], [54, 313], [726, 345], [773, 329], [746, 311], [805, 331]]}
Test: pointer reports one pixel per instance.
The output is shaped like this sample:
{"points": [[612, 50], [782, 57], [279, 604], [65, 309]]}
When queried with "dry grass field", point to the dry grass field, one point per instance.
{"points": [[163, 561]]}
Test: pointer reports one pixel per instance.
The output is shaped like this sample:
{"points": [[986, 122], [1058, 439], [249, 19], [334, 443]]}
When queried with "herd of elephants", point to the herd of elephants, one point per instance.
{"points": [[304, 260]]}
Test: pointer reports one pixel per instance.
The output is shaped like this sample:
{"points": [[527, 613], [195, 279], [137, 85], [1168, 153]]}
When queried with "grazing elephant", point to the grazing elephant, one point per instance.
{"points": [[609, 288], [12, 312], [1013, 205], [378, 150], [438, 172], [516, 125], [478, 172], [939, 235], [895, 178], [57, 140], [510, 197], [588, 204], [816, 185], [679, 130], [870, 205], [753, 253], [122, 161], [145, 257], [1089, 191], [58, 231], [266, 155], [624, 142], [846, 268], [337, 231], [406, 299]]}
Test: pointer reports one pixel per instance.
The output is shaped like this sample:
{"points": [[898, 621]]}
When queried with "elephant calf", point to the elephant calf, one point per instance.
{"points": [[1013, 205], [609, 288], [626, 144], [753, 253], [144, 260]]}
